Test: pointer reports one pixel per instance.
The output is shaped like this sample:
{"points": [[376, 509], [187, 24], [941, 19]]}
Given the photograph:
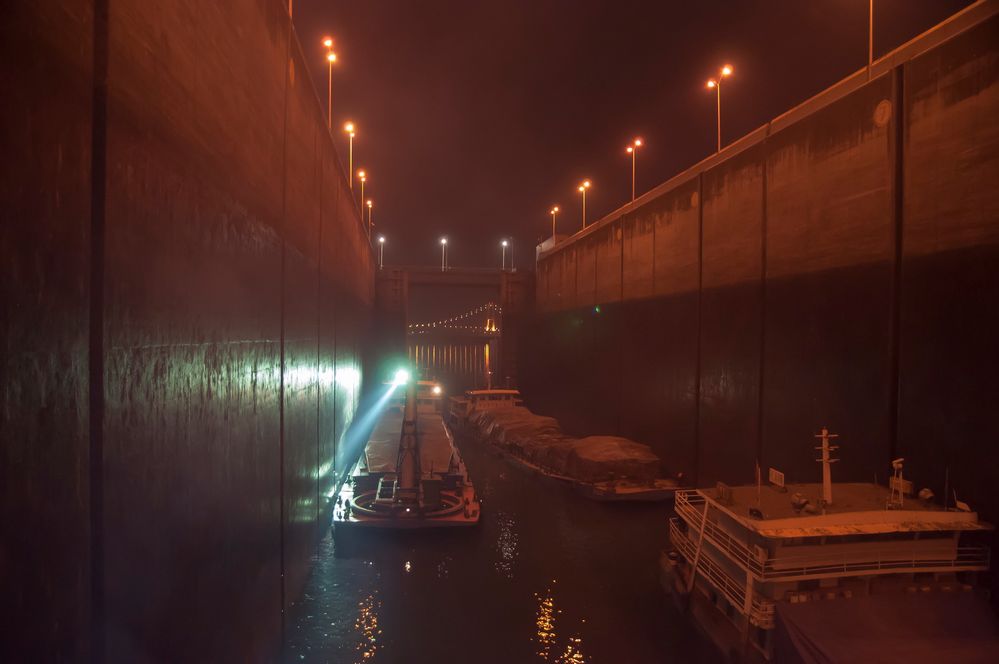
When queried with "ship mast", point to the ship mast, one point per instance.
{"points": [[826, 462], [408, 461]]}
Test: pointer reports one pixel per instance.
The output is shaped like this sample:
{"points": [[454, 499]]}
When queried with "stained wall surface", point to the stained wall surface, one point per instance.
{"points": [[169, 447], [837, 267]]}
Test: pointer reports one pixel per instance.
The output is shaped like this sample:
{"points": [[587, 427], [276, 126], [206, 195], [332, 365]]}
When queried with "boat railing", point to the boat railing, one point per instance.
{"points": [[690, 506], [761, 611], [965, 558]]}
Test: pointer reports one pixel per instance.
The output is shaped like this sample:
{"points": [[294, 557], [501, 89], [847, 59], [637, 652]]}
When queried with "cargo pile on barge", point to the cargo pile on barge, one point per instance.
{"points": [[600, 467]]}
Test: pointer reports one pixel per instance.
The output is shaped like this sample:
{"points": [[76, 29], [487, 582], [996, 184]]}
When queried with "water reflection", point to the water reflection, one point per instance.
{"points": [[546, 623], [546, 635], [366, 626], [459, 366], [506, 545], [573, 653]]}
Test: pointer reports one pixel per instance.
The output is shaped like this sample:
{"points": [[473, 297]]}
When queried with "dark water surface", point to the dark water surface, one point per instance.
{"points": [[546, 576]]}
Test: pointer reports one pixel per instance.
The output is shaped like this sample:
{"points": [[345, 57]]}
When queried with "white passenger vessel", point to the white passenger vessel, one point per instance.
{"points": [[460, 408], [822, 567]]}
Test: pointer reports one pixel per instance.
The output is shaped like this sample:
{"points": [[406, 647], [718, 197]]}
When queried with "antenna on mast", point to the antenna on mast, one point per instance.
{"points": [[826, 449]]}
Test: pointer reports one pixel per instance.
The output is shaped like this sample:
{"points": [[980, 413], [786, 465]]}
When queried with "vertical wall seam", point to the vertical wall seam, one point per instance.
{"points": [[282, 309], [763, 301], [95, 359], [700, 299], [318, 171], [897, 143], [336, 366], [620, 358]]}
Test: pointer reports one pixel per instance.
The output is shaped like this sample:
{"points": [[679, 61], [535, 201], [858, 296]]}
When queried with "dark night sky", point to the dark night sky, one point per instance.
{"points": [[475, 117]]}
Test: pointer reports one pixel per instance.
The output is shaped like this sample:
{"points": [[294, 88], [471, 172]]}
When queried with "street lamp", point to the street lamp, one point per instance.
{"points": [[504, 244], [363, 177], [349, 128], [583, 186], [633, 151], [716, 84], [381, 251], [370, 204], [553, 212], [443, 254], [330, 59]]}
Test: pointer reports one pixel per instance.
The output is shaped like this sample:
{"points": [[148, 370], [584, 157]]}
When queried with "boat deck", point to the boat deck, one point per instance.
{"points": [[857, 508], [382, 450], [438, 458]]}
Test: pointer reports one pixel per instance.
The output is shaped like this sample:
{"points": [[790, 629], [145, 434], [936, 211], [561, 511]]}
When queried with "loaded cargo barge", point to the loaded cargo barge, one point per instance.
{"points": [[410, 475]]}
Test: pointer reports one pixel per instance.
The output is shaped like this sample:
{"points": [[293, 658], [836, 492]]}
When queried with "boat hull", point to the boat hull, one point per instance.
{"points": [[706, 617]]}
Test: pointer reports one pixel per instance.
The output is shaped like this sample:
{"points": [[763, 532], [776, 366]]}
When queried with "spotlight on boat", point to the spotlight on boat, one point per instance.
{"points": [[401, 377]]}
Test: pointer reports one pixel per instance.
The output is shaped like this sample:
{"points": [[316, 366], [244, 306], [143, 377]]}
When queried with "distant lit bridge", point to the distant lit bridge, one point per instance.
{"points": [[482, 321]]}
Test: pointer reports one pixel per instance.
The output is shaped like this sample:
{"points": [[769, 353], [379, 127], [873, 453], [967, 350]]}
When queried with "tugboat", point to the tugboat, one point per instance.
{"points": [[410, 475], [849, 571]]}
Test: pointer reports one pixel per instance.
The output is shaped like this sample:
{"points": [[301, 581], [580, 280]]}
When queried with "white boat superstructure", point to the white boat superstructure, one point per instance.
{"points": [[740, 551], [460, 408]]}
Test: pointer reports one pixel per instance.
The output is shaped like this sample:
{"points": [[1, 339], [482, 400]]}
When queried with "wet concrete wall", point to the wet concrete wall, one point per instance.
{"points": [[837, 267], [186, 287]]}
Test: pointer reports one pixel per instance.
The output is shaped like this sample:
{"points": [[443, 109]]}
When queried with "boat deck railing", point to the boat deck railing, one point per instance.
{"points": [[762, 611], [690, 506]]}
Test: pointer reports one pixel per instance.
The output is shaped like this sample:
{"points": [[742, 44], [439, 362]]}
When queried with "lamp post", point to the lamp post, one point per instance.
{"points": [[349, 128], [330, 59], [370, 205], [583, 186], [443, 254], [381, 251], [363, 177], [504, 244], [716, 84], [553, 212], [633, 151]]}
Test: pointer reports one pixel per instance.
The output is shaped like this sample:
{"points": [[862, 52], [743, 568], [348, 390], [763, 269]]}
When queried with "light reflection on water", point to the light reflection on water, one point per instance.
{"points": [[367, 628], [506, 545], [546, 623], [573, 653], [459, 366]]}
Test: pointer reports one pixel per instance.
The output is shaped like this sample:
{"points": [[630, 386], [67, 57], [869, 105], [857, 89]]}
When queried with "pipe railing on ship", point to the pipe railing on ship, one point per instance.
{"points": [[762, 611]]}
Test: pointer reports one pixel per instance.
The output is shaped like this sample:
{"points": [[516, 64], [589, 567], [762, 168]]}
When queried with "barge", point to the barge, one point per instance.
{"points": [[411, 474]]}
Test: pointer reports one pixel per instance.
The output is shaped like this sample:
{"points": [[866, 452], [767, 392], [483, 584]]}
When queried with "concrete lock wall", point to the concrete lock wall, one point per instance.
{"points": [[837, 267], [186, 286]]}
